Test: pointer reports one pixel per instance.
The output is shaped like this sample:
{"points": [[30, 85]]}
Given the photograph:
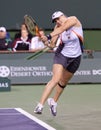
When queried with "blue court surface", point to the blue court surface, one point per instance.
{"points": [[18, 119]]}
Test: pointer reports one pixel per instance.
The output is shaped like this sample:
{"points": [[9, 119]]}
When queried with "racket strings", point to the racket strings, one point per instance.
{"points": [[30, 25]]}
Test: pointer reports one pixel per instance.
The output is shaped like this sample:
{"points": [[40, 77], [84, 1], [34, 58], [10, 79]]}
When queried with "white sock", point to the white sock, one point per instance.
{"points": [[40, 105], [53, 102]]}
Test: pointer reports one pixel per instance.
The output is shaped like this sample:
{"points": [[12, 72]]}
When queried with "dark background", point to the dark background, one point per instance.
{"points": [[12, 12]]}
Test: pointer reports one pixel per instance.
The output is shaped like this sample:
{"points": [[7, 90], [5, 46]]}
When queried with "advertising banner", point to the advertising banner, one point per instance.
{"points": [[5, 84], [22, 71]]}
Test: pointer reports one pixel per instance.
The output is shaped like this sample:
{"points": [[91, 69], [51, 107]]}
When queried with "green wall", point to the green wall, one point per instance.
{"points": [[92, 39]]}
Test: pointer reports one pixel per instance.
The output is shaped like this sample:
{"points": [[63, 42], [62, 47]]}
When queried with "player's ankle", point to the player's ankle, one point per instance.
{"points": [[53, 101], [40, 105]]}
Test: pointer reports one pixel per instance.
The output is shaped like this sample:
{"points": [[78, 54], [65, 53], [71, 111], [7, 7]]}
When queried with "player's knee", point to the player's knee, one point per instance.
{"points": [[61, 86]]}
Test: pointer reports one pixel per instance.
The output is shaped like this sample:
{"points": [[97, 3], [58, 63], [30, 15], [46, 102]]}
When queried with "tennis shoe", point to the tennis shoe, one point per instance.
{"points": [[53, 106], [38, 109]]}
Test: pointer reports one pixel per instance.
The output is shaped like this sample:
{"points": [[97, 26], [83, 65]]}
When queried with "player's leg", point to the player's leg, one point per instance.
{"points": [[57, 73], [62, 84], [52, 102], [72, 66]]}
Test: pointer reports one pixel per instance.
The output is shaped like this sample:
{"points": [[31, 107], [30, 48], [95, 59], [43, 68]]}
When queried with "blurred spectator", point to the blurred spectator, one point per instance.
{"points": [[36, 42], [22, 43], [88, 54], [8, 36], [23, 27], [5, 42]]}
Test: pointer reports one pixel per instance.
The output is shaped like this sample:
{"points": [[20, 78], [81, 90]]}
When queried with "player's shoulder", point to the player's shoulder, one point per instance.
{"points": [[72, 17]]}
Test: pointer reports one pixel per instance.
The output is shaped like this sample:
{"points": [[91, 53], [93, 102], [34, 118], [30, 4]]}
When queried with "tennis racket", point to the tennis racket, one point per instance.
{"points": [[34, 30], [31, 25]]}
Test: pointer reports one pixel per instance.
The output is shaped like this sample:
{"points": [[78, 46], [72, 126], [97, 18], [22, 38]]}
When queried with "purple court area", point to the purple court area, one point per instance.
{"points": [[18, 119]]}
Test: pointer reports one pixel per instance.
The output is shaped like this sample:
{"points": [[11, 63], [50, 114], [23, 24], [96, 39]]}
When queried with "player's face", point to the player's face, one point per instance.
{"points": [[58, 21]]}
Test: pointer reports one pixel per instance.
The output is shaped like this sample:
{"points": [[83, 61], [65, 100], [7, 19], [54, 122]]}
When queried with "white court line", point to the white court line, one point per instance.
{"points": [[35, 119]]}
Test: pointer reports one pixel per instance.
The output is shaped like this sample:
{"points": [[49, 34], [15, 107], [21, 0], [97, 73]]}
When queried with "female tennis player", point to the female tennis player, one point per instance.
{"points": [[66, 60]]}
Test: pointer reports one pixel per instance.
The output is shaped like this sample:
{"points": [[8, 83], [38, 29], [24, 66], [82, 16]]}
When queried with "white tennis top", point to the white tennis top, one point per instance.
{"points": [[71, 42]]}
